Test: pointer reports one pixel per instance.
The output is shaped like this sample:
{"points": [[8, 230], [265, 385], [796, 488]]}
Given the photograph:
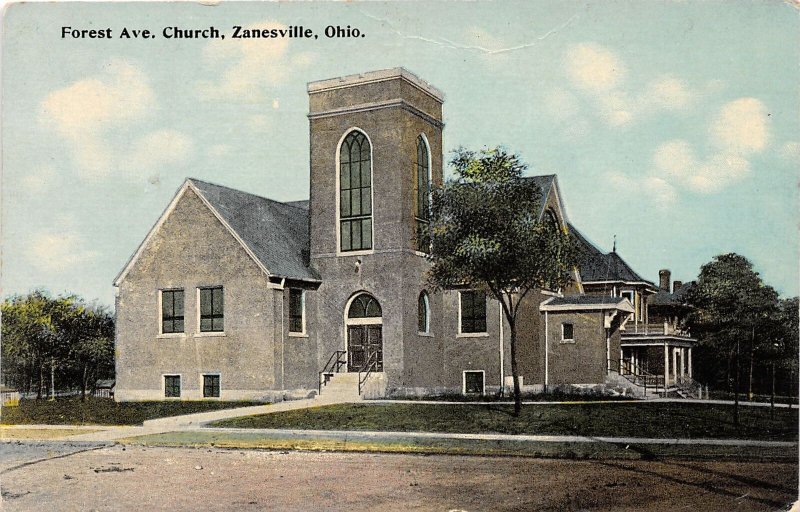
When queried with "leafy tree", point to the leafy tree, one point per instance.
{"points": [[57, 336], [732, 306], [486, 233], [92, 346]]}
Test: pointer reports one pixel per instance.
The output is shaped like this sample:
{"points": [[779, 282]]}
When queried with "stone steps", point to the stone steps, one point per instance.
{"points": [[341, 387]]}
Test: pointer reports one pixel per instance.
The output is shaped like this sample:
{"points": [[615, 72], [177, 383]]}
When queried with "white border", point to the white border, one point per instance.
{"points": [[203, 387], [483, 334], [464, 381], [337, 191], [427, 332], [302, 333], [161, 334], [565, 340], [164, 386], [359, 321], [203, 334], [430, 185]]}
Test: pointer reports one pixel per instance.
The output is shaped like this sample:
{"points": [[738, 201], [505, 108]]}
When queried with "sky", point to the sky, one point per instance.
{"points": [[673, 125]]}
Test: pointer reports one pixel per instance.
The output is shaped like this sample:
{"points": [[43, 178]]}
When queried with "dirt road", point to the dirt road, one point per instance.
{"points": [[137, 478]]}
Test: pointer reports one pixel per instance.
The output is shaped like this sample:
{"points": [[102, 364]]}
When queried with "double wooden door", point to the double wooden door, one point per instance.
{"points": [[363, 342]]}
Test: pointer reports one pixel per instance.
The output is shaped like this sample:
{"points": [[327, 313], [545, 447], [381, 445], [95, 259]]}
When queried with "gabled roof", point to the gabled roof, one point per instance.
{"points": [[665, 298], [274, 234], [546, 182], [586, 302], [597, 266]]}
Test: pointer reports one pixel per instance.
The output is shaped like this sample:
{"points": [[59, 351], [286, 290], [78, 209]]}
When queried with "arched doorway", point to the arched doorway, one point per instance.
{"points": [[364, 333]]}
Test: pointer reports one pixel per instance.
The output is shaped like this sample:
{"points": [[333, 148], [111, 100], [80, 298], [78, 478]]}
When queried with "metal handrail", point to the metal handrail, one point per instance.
{"points": [[367, 368], [334, 364], [642, 378]]}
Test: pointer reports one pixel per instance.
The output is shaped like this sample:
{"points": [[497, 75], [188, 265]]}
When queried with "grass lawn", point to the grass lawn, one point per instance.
{"points": [[643, 419], [102, 411]]}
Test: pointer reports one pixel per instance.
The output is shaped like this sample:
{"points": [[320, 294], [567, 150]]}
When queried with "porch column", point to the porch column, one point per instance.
{"points": [[689, 366], [683, 361], [675, 365], [666, 365]]}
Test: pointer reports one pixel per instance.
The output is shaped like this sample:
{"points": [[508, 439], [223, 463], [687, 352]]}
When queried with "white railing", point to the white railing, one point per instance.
{"points": [[663, 329]]}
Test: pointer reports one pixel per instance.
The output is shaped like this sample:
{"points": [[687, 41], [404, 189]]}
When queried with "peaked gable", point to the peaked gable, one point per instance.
{"points": [[273, 234], [597, 266]]}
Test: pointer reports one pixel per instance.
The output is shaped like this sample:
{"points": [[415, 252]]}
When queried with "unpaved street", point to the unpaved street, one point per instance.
{"points": [[137, 478]]}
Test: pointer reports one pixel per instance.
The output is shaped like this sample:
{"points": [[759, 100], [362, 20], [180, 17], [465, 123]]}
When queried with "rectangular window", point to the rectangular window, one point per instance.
{"points": [[567, 332], [473, 312], [211, 310], [172, 386], [296, 307], [171, 311], [473, 383], [210, 386]]}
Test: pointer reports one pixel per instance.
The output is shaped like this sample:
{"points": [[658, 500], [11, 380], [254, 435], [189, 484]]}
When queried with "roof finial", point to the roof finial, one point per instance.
{"points": [[615, 244]]}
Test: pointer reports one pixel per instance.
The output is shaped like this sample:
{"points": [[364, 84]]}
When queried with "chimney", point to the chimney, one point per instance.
{"points": [[676, 285], [663, 279]]}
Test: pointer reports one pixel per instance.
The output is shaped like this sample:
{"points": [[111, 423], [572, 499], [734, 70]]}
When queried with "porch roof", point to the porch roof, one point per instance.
{"points": [[586, 303]]}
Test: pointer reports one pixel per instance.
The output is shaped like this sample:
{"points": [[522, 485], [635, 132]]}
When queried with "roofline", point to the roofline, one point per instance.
{"points": [[380, 75], [228, 227], [646, 283], [621, 305], [187, 184], [163, 217]]}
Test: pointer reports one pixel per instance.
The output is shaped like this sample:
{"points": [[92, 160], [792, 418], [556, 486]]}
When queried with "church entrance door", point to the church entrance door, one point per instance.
{"points": [[364, 334], [364, 343]]}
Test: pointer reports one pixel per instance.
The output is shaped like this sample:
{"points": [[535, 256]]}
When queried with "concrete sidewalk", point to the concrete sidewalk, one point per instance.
{"points": [[197, 422], [112, 434]]}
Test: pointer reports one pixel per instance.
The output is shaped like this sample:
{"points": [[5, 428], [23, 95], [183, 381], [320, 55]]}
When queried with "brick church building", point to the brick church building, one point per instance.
{"points": [[235, 296]]}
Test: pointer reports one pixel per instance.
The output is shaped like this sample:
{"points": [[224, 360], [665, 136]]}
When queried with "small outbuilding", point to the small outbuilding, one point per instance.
{"points": [[104, 388]]}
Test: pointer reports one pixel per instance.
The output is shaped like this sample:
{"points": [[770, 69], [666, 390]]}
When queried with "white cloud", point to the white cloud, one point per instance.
{"points": [[97, 116], [58, 251], [736, 132], [667, 93], [601, 76], [250, 67], [674, 158], [120, 94], [657, 190], [718, 172], [593, 68], [791, 151], [740, 127]]}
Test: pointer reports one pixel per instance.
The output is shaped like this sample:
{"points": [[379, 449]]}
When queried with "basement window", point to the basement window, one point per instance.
{"points": [[172, 386], [474, 382], [210, 386]]}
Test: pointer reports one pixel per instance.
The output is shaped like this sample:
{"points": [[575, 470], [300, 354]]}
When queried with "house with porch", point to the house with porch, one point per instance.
{"points": [[655, 347], [235, 296]]}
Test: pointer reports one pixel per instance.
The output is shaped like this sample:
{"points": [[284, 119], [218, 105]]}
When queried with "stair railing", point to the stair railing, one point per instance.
{"points": [[334, 364], [642, 378], [370, 365]]}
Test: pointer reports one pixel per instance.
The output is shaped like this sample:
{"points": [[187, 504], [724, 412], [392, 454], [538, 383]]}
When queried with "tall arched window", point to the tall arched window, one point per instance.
{"points": [[423, 199], [423, 313], [355, 193]]}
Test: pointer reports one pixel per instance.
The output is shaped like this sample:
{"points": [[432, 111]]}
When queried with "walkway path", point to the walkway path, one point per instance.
{"points": [[197, 422]]}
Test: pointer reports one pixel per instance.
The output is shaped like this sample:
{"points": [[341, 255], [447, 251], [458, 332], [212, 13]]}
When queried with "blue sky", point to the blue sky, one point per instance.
{"points": [[672, 125]]}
